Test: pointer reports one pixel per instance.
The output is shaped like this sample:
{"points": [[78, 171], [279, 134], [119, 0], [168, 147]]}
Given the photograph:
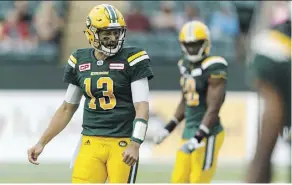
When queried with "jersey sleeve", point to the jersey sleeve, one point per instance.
{"points": [[70, 75], [272, 54], [139, 65], [261, 68], [215, 67]]}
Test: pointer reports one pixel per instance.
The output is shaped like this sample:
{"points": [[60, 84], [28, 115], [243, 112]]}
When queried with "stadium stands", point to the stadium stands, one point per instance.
{"points": [[31, 31], [159, 43]]}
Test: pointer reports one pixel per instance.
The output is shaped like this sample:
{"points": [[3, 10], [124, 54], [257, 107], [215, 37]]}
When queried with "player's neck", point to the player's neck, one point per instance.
{"points": [[99, 55]]}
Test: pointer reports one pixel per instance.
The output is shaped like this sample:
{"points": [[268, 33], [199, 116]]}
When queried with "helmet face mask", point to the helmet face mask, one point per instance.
{"points": [[193, 48], [109, 41], [194, 51]]}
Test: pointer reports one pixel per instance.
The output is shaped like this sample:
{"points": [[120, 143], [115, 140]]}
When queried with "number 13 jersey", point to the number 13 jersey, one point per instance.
{"points": [[108, 108], [194, 84]]}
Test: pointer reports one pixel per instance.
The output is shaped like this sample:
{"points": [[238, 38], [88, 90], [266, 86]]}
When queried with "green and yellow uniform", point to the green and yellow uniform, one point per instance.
{"points": [[200, 166], [272, 64], [108, 110]]}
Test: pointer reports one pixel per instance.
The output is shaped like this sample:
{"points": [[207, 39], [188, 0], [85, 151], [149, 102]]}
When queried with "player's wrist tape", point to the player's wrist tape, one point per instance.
{"points": [[171, 124], [139, 132], [204, 128], [175, 120]]}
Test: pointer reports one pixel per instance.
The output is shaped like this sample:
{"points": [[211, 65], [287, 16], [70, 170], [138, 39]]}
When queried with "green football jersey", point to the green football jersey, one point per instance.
{"points": [[106, 84], [194, 83], [272, 64]]}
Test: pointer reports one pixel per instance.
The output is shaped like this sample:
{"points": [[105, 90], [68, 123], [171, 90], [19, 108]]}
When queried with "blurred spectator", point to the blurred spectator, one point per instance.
{"points": [[280, 12], [16, 34], [47, 23], [191, 13], [224, 23], [164, 20], [22, 7], [136, 21]]}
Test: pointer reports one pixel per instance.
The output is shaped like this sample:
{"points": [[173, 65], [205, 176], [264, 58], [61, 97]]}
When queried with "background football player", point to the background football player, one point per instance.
{"points": [[203, 82], [114, 81], [270, 71]]}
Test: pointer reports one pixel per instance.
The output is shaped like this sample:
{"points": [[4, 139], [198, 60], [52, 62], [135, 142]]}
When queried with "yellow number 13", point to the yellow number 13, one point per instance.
{"points": [[109, 92]]}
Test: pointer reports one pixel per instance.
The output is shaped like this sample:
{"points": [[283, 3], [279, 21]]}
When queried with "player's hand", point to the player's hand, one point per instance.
{"points": [[131, 154], [161, 135], [191, 145], [34, 152], [195, 142]]}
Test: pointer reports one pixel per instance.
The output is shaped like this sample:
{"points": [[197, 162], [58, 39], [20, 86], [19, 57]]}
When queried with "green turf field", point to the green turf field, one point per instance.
{"points": [[148, 173]]}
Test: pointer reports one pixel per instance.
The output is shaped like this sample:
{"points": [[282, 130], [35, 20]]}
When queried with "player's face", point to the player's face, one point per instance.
{"points": [[109, 38], [193, 48]]}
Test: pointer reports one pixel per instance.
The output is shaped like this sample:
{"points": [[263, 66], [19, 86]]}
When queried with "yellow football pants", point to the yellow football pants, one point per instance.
{"points": [[200, 165], [100, 159]]}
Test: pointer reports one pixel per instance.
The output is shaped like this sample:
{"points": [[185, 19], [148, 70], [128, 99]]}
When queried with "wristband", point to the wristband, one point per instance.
{"points": [[171, 124], [175, 120], [204, 128], [139, 131]]}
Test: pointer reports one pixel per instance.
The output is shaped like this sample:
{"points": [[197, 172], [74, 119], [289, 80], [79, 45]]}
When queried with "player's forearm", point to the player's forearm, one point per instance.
{"points": [[259, 170], [210, 118], [142, 110], [59, 121], [215, 96], [260, 167]]}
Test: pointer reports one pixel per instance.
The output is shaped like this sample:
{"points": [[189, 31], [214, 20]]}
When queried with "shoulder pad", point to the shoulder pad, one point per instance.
{"points": [[212, 61], [136, 55], [73, 58], [284, 28], [272, 44]]}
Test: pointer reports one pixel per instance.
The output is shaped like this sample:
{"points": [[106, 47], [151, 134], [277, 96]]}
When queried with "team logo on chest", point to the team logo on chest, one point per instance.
{"points": [[99, 62], [117, 66], [85, 67]]}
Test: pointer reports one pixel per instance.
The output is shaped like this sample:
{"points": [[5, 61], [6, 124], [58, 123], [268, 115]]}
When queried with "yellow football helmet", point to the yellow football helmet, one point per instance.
{"points": [[195, 41], [105, 17]]}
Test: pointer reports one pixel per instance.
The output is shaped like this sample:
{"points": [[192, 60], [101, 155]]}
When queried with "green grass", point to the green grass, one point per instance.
{"points": [[148, 173]]}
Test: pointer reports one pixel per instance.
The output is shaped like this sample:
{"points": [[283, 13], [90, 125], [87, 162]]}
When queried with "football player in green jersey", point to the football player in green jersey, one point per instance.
{"points": [[270, 71], [114, 81], [203, 82]]}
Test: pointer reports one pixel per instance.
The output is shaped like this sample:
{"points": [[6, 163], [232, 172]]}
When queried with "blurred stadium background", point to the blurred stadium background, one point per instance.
{"points": [[36, 38]]}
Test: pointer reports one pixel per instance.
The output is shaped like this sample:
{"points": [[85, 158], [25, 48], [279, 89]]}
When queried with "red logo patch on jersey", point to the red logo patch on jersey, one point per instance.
{"points": [[116, 66], [84, 67]]}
